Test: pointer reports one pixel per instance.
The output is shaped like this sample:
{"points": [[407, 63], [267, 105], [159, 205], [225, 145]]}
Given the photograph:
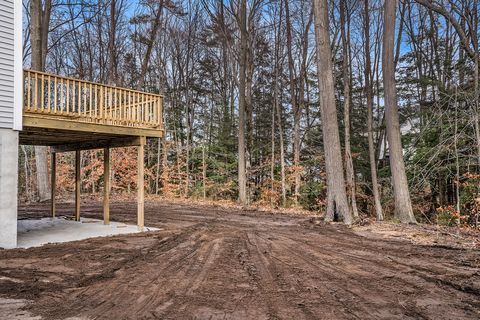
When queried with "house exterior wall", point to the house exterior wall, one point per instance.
{"points": [[11, 104], [8, 187]]}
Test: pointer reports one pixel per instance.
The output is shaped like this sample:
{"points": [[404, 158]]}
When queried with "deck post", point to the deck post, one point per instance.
{"points": [[53, 173], [77, 185], [140, 186], [106, 186]]}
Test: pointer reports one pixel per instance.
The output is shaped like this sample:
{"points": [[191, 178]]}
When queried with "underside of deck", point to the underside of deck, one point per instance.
{"points": [[64, 135]]}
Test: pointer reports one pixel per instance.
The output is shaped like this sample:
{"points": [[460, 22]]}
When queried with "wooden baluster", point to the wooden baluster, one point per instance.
{"points": [[122, 106], [157, 105], [84, 99], [149, 113], [72, 98], [90, 106], [155, 111], [151, 110], [79, 109], [110, 103], [61, 94], [139, 108], [97, 101], [119, 106], [29, 89], [42, 94], [133, 111], [129, 110], [49, 92], [160, 106], [55, 96], [35, 94], [142, 109], [107, 94], [124, 103], [115, 105], [101, 102]]}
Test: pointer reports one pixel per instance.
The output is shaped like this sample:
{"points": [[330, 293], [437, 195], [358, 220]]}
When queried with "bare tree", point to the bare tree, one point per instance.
{"points": [[369, 96], [349, 171], [403, 205], [242, 179], [276, 93], [337, 204]]}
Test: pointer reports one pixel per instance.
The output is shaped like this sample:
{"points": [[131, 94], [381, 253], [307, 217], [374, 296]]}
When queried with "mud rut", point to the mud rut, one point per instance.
{"points": [[207, 263]]}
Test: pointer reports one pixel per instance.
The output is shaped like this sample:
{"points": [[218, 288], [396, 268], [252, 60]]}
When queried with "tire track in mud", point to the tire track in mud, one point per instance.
{"points": [[128, 272], [187, 281], [431, 272], [205, 264], [264, 275], [322, 273], [167, 276], [374, 257], [379, 265]]}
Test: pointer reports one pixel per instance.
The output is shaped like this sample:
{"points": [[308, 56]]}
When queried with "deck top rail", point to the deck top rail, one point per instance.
{"points": [[57, 97]]}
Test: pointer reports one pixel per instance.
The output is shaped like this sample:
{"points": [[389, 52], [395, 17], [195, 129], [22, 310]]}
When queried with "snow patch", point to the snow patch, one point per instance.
{"points": [[37, 232]]}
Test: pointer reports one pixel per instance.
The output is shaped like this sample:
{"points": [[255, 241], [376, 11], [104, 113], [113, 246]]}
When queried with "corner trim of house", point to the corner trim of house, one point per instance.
{"points": [[18, 66]]}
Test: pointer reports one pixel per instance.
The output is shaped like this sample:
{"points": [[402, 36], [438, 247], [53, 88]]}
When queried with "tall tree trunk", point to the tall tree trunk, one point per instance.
{"points": [[39, 25], [476, 77], [369, 96], [249, 112], [242, 180], [349, 172], [272, 165], [276, 94], [455, 148], [281, 146], [204, 173], [403, 206], [337, 203], [294, 99], [300, 107]]}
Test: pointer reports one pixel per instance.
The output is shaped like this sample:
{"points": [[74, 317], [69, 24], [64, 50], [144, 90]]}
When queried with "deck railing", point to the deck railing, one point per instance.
{"points": [[54, 96]]}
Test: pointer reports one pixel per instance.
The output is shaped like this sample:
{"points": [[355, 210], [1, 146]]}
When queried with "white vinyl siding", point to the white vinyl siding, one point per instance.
{"points": [[7, 54]]}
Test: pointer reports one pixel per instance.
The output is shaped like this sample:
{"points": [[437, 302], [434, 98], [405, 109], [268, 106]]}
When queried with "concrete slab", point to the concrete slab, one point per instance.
{"points": [[37, 232]]}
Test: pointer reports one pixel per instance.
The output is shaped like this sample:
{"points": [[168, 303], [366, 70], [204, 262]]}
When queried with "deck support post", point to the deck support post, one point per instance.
{"points": [[106, 186], [77, 185], [140, 186], [53, 173]]}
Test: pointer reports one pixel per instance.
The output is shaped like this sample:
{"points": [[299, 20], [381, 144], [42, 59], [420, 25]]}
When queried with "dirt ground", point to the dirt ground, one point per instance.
{"points": [[211, 262]]}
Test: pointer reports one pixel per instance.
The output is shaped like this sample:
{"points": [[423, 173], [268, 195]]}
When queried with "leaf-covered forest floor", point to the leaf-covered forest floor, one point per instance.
{"points": [[225, 262]]}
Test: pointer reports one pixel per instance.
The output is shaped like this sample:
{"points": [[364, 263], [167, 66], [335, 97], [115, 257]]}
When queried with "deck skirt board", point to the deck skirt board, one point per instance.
{"points": [[83, 129]]}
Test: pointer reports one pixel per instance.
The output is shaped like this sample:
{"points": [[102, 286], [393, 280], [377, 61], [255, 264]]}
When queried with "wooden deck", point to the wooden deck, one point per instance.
{"points": [[60, 110], [73, 115]]}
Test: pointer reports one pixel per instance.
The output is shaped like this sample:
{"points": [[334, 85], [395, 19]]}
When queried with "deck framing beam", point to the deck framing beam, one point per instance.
{"points": [[100, 144], [30, 120]]}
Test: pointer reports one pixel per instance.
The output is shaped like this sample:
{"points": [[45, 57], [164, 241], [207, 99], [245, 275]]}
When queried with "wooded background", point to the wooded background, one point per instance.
{"points": [[242, 75]]}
